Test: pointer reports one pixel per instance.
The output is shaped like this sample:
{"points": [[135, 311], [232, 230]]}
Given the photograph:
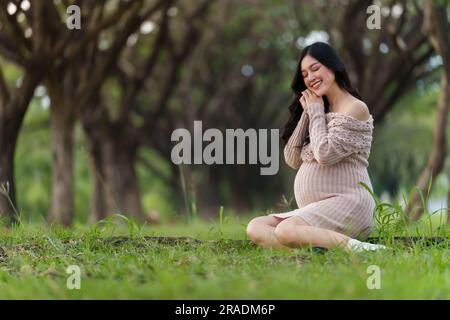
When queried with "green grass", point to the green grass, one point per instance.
{"points": [[34, 260]]}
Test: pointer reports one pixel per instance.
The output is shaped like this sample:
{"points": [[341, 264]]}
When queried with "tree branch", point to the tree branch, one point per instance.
{"points": [[131, 90], [190, 40]]}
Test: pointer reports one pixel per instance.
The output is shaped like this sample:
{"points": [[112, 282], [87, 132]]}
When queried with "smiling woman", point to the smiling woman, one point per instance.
{"points": [[333, 206], [312, 76]]}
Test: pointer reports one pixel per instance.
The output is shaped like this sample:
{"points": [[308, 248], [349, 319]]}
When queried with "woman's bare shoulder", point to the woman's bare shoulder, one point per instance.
{"points": [[357, 109]]}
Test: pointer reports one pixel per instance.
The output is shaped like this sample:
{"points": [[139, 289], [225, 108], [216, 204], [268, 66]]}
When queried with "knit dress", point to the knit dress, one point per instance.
{"points": [[330, 167]]}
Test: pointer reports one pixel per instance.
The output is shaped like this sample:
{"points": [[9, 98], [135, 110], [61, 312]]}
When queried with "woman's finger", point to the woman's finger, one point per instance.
{"points": [[306, 94], [312, 94]]}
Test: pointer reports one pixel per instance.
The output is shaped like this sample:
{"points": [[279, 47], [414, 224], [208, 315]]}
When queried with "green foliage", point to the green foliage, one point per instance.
{"points": [[391, 219]]}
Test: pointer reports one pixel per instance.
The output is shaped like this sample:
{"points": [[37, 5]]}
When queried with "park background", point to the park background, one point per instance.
{"points": [[86, 115], [103, 101]]}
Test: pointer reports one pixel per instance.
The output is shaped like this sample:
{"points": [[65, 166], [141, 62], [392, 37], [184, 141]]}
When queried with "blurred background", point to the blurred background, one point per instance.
{"points": [[86, 114]]}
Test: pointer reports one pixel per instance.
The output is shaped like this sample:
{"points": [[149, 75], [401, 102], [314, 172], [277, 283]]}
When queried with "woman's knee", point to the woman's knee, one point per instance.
{"points": [[288, 232], [258, 225], [253, 228], [284, 233]]}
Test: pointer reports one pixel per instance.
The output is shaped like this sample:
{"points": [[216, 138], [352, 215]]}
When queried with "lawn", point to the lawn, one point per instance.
{"points": [[212, 260]]}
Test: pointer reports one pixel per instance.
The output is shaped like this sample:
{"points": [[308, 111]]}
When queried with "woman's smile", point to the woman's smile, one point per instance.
{"points": [[316, 84]]}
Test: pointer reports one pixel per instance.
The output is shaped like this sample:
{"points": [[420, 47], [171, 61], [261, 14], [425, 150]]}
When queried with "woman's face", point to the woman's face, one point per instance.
{"points": [[317, 77]]}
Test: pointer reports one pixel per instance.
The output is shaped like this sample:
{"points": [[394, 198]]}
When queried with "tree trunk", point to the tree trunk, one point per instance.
{"points": [[119, 167], [13, 106], [99, 207], [113, 159], [437, 155], [94, 133], [8, 142], [62, 124], [436, 27]]}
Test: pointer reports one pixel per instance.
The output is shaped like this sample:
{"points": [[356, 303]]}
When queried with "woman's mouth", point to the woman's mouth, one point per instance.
{"points": [[316, 84]]}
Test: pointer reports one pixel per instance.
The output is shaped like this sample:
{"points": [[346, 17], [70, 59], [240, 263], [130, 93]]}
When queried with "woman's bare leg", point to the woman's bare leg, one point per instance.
{"points": [[293, 232], [261, 230]]}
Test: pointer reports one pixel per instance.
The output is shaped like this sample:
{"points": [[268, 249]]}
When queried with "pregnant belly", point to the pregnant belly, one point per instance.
{"points": [[315, 182]]}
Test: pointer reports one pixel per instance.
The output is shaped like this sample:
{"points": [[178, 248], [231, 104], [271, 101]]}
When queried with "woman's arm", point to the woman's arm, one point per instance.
{"points": [[293, 148], [326, 149]]}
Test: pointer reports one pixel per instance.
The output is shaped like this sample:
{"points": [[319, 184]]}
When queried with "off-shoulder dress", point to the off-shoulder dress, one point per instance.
{"points": [[330, 168]]}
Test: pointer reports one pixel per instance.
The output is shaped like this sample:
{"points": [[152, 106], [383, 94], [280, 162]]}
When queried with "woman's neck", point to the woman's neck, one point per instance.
{"points": [[336, 96]]}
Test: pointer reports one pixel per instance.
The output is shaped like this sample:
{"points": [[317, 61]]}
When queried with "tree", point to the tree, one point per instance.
{"points": [[74, 85], [114, 136], [218, 92], [34, 54], [436, 26], [399, 48]]}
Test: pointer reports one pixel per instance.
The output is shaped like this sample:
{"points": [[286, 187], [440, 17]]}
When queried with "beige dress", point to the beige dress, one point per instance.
{"points": [[326, 187]]}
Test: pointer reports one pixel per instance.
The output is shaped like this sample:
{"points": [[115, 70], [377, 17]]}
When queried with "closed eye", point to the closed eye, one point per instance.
{"points": [[305, 74]]}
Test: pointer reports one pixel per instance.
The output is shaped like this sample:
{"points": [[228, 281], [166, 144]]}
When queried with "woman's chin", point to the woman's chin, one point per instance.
{"points": [[321, 92]]}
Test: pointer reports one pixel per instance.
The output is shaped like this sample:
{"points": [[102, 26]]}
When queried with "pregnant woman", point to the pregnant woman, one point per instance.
{"points": [[327, 139]]}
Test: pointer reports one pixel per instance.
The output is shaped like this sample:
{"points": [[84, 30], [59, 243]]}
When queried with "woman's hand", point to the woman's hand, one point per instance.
{"points": [[303, 102], [309, 97]]}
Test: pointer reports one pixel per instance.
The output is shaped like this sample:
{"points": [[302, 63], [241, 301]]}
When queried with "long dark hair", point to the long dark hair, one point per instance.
{"points": [[327, 56]]}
